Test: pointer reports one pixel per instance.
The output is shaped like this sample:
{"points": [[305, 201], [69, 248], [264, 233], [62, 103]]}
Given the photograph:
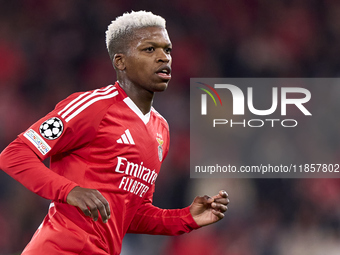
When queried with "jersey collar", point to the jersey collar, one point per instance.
{"points": [[145, 118]]}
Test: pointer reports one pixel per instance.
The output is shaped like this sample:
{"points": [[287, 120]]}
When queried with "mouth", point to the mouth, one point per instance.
{"points": [[164, 72]]}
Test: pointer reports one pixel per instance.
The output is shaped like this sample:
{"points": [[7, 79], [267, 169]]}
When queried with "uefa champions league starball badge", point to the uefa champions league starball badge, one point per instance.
{"points": [[160, 149], [52, 128]]}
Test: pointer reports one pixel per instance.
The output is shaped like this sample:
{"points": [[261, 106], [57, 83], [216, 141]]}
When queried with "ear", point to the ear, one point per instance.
{"points": [[119, 61]]}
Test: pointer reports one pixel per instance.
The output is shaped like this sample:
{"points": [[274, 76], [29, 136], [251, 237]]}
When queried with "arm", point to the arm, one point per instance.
{"points": [[150, 219], [22, 158], [203, 211], [21, 163]]}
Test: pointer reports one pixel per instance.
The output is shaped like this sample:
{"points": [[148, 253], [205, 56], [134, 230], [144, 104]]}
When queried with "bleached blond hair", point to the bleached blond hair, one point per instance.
{"points": [[121, 29]]}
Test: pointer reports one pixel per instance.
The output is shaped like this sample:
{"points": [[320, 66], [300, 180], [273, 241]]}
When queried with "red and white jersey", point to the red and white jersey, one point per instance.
{"points": [[101, 140]]}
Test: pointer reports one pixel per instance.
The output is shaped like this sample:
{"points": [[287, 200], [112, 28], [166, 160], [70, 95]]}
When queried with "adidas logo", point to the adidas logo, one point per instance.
{"points": [[126, 138]]}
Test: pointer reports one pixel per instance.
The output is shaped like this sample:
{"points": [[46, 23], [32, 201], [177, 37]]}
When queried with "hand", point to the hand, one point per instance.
{"points": [[207, 210], [90, 201]]}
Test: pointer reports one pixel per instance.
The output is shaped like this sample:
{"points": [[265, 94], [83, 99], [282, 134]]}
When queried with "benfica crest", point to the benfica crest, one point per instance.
{"points": [[160, 149]]}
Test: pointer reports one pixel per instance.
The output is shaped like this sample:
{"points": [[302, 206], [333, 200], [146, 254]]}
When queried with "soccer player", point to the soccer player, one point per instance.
{"points": [[106, 148]]}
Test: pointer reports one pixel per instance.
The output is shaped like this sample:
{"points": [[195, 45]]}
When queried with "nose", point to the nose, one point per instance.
{"points": [[163, 56]]}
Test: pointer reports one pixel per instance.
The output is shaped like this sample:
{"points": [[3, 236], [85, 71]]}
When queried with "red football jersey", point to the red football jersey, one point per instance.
{"points": [[101, 140]]}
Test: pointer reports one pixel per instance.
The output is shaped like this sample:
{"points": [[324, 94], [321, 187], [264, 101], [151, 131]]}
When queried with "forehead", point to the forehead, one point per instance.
{"points": [[150, 34]]}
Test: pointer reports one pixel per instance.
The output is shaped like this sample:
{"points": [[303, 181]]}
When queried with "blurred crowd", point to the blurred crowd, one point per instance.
{"points": [[50, 49]]}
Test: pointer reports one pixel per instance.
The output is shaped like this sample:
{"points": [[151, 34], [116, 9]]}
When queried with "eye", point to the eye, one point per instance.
{"points": [[168, 50], [149, 49]]}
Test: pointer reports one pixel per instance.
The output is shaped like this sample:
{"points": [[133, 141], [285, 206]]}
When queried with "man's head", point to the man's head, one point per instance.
{"points": [[121, 30], [139, 48]]}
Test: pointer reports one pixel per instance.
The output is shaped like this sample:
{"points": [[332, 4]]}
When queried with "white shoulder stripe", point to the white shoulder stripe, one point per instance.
{"points": [[81, 96], [93, 94], [73, 101], [85, 100], [89, 103]]}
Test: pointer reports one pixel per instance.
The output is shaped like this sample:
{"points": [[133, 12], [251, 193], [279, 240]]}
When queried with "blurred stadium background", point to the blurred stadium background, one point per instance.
{"points": [[50, 49]]}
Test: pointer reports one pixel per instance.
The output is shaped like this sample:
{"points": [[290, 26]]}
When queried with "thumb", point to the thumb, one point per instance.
{"points": [[203, 200]]}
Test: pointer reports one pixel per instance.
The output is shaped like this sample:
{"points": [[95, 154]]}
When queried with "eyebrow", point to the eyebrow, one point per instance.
{"points": [[156, 44]]}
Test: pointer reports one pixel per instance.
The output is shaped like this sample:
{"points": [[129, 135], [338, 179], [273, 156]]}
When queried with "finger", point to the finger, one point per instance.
{"points": [[84, 209], [95, 204], [219, 207], [220, 215], [221, 194], [102, 210], [204, 200], [224, 201], [106, 207], [93, 208]]}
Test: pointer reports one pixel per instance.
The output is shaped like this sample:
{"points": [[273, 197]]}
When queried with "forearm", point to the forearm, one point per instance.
{"points": [[150, 219], [21, 163]]}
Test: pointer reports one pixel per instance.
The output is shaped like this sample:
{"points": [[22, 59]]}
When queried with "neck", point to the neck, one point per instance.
{"points": [[141, 97]]}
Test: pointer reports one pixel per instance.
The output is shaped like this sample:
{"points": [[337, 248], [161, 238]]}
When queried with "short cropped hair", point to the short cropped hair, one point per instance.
{"points": [[120, 31]]}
